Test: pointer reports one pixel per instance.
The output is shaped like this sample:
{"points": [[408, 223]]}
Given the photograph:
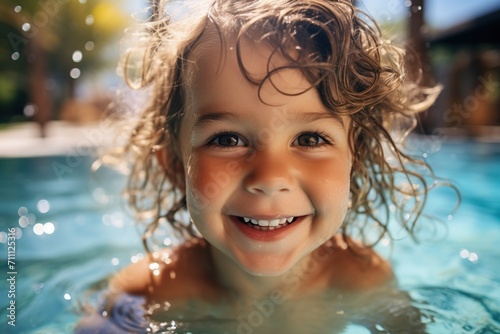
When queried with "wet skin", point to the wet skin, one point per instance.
{"points": [[280, 160], [268, 158]]}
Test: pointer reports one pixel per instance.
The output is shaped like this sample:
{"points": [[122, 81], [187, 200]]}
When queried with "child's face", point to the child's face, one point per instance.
{"points": [[245, 159]]}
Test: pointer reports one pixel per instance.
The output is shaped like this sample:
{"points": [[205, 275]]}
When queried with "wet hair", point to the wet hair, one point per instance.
{"points": [[340, 51]]}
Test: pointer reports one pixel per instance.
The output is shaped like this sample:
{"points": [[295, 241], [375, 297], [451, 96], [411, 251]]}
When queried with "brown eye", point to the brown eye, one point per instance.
{"points": [[227, 140], [309, 139]]}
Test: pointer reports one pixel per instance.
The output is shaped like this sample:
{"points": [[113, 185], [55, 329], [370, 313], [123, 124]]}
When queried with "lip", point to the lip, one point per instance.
{"points": [[269, 235]]}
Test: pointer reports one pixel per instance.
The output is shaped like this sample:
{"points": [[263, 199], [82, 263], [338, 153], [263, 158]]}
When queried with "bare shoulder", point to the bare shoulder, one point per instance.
{"points": [[172, 273], [356, 269]]}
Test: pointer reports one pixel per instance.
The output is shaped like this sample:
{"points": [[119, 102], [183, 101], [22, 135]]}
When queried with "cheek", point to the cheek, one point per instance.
{"points": [[330, 185], [209, 180]]}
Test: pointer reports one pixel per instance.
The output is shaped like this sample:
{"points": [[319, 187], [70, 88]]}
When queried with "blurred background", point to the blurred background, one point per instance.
{"points": [[58, 58], [457, 44]]}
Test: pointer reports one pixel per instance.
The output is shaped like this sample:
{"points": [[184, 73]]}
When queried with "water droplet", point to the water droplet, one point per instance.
{"points": [[15, 56], [3, 237], [26, 26], [473, 257], [408, 3], [49, 228], [89, 20], [450, 217], [75, 73], [152, 308], [38, 229], [24, 221], [386, 242], [43, 206], [30, 110], [167, 242], [464, 253], [77, 56], [425, 155], [18, 9], [67, 296], [136, 258], [22, 211], [154, 266], [89, 46], [115, 261], [419, 7]]}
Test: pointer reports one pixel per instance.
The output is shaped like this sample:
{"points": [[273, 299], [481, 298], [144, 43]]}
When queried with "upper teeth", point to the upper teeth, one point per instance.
{"points": [[272, 222]]}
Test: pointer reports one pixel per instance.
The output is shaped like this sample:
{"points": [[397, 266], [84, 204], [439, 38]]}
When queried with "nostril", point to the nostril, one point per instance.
{"points": [[269, 176], [268, 189]]}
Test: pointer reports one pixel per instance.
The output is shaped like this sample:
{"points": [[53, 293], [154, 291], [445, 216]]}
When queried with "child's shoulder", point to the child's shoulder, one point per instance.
{"points": [[186, 271], [352, 267], [176, 272]]}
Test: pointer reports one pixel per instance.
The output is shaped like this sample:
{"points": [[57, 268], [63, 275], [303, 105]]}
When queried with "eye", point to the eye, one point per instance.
{"points": [[226, 140], [311, 139]]}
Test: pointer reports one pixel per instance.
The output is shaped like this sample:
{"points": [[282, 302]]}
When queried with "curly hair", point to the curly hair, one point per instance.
{"points": [[343, 55]]}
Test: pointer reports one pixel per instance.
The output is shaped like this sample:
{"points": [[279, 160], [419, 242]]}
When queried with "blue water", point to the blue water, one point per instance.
{"points": [[73, 234]]}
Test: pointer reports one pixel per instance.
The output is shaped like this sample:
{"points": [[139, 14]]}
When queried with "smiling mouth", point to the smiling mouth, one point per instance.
{"points": [[267, 225]]}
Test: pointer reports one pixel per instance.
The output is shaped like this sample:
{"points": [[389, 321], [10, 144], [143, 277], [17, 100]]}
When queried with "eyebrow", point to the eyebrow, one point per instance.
{"points": [[315, 116], [304, 117], [213, 116]]}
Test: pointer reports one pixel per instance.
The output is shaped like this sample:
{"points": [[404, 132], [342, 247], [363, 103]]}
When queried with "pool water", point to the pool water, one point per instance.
{"points": [[72, 234]]}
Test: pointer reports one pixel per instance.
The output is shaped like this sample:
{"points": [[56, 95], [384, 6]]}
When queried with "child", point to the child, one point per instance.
{"points": [[276, 126]]}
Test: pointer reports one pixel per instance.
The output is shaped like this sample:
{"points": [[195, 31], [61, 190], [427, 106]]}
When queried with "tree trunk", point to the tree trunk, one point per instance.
{"points": [[418, 55], [416, 39], [38, 92]]}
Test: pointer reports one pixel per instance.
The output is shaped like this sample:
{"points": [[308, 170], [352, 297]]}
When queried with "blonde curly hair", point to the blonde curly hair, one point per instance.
{"points": [[355, 71]]}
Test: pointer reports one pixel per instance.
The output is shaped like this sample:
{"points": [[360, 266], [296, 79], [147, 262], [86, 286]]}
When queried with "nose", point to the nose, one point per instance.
{"points": [[270, 174]]}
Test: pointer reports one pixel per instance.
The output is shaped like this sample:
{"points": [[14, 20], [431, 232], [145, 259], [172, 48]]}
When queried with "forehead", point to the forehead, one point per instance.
{"points": [[219, 62]]}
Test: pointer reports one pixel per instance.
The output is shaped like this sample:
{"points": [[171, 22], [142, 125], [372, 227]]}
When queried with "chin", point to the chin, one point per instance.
{"points": [[267, 269]]}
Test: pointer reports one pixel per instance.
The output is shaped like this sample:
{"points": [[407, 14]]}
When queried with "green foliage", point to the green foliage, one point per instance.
{"points": [[60, 28]]}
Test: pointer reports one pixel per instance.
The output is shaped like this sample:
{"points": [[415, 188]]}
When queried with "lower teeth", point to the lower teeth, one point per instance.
{"points": [[266, 228]]}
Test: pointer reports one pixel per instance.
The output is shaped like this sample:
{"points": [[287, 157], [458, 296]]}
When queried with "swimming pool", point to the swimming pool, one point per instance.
{"points": [[72, 234]]}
